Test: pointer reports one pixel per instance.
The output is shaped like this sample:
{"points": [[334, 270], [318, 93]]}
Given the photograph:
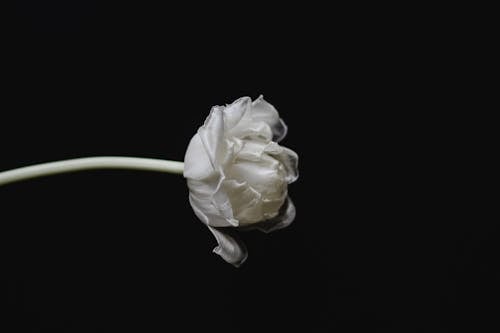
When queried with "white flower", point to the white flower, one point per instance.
{"points": [[238, 175]]}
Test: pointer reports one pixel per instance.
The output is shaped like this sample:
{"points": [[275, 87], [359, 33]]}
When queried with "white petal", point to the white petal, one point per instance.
{"points": [[197, 163], [289, 159], [283, 220], [251, 150], [245, 201], [257, 130], [264, 111], [234, 112], [212, 136], [272, 207], [229, 249], [240, 123], [208, 213], [234, 146], [221, 202]]}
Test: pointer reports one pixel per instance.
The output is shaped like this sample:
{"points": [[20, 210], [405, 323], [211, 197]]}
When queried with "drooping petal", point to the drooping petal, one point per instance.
{"points": [[283, 220], [231, 250], [264, 111], [197, 163]]}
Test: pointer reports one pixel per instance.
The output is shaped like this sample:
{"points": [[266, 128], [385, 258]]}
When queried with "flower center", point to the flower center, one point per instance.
{"points": [[259, 184]]}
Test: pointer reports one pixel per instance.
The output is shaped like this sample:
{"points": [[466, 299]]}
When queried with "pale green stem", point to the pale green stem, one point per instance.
{"points": [[90, 163]]}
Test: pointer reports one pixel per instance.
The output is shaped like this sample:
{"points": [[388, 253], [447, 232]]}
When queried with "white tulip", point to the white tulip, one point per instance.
{"points": [[236, 172], [238, 175]]}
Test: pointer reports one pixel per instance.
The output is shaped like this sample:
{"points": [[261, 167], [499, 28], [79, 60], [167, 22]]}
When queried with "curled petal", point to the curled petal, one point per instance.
{"points": [[231, 250], [289, 160], [263, 111], [234, 112], [283, 220]]}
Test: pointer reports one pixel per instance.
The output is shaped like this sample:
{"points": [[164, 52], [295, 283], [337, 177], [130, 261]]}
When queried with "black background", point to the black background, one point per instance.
{"points": [[374, 246]]}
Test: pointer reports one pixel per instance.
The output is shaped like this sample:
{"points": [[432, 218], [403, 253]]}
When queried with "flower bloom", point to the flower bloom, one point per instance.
{"points": [[238, 175]]}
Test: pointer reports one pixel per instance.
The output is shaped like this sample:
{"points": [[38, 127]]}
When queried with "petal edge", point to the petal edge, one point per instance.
{"points": [[229, 249]]}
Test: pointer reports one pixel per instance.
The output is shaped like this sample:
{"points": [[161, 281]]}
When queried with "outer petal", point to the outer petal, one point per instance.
{"points": [[221, 202], [231, 250], [263, 111], [208, 213], [197, 163], [283, 220], [239, 122], [234, 112], [212, 136]]}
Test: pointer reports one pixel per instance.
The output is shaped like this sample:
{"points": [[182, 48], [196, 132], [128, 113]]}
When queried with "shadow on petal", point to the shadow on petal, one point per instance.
{"points": [[284, 219]]}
